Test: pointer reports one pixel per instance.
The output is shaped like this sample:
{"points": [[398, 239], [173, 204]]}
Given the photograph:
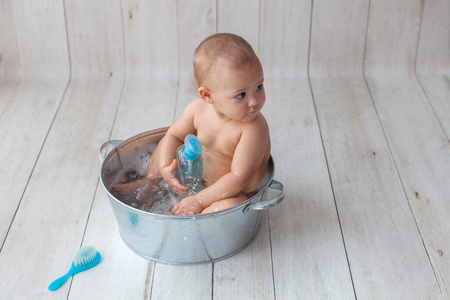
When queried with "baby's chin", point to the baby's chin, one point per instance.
{"points": [[251, 116]]}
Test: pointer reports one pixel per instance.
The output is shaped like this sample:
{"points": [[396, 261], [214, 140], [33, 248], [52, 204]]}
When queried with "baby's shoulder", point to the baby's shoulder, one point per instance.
{"points": [[258, 124], [195, 107], [196, 104], [256, 131]]}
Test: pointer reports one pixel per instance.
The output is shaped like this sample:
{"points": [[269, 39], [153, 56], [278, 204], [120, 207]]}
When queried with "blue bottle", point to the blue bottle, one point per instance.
{"points": [[190, 164]]}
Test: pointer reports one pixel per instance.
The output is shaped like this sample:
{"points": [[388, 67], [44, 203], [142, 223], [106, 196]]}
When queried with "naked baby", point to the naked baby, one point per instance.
{"points": [[227, 120]]}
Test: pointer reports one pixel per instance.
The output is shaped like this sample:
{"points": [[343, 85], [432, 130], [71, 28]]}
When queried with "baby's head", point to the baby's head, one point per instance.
{"points": [[230, 47]]}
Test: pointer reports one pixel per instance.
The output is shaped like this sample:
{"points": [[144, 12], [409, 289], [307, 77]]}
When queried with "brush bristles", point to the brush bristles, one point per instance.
{"points": [[84, 256]]}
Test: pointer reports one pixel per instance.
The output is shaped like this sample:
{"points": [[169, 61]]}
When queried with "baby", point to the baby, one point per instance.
{"points": [[227, 120]]}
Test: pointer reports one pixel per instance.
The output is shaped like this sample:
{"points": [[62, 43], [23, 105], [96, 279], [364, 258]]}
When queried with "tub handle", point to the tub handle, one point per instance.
{"points": [[108, 147], [276, 185]]}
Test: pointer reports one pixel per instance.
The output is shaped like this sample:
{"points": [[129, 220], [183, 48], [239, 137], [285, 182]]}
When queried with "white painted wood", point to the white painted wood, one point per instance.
{"points": [[308, 253], [384, 247], [284, 38], [22, 129], [392, 37], [433, 58], [49, 227], [241, 18], [248, 274], [437, 91], [182, 282], [122, 274], [416, 139], [22, 132], [96, 28], [9, 55], [41, 58], [422, 155], [192, 29], [150, 92], [148, 102], [337, 38]]}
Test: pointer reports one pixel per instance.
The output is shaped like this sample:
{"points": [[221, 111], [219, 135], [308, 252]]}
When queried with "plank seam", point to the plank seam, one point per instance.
{"points": [[392, 154], [46, 135], [420, 82], [323, 147], [178, 63]]}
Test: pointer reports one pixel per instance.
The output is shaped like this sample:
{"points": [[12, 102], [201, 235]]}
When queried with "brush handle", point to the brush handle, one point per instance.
{"points": [[60, 281]]}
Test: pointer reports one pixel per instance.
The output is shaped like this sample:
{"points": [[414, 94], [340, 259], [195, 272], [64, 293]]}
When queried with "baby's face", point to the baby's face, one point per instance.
{"points": [[238, 93]]}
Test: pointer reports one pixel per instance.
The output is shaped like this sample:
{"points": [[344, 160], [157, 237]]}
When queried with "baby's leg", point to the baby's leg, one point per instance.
{"points": [[153, 166], [225, 203], [151, 178]]}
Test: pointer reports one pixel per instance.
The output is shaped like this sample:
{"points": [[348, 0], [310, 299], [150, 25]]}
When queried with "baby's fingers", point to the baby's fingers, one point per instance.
{"points": [[173, 166], [177, 187], [176, 210]]}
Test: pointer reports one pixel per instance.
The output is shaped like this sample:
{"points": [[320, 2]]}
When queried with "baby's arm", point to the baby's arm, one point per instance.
{"points": [[247, 159], [169, 144]]}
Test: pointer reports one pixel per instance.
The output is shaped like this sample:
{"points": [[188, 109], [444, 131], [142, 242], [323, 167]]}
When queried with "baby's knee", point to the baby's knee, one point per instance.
{"points": [[226, 203]]}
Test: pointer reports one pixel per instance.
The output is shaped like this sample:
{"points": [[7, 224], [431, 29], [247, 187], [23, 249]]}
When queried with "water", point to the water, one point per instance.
{"points": [[151, 195]]}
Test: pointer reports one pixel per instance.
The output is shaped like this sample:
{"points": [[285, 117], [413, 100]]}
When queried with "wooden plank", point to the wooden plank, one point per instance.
{"points": [[37, 59], [384, 247], [182, 282], [49, 227], [248, 274], [9, 55], [422, 155], [22, 129], [392, 38], [416, 139], [433, 55], [283, 38], [337, 38], [433, 58], [205, 24], [241, 18], [309, 260], [148, 102]]}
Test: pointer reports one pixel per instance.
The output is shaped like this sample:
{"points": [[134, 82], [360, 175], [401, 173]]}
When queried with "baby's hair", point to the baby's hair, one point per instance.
{"points": [[221, 45]]}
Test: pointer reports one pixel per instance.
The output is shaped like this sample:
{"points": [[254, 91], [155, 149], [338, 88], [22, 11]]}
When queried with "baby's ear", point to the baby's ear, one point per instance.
{"points": [[205, 94]]}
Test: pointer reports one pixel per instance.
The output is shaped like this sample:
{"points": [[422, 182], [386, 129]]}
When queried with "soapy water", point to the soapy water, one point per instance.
{"points": [[140, 192], [151, 195]]}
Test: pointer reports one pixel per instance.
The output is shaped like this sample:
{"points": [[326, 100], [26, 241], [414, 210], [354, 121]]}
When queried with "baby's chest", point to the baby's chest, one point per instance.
{"points": [[219, 142]]}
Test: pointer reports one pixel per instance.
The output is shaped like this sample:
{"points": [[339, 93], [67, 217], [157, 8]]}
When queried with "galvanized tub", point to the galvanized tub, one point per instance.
{"points": [[181, 240]]}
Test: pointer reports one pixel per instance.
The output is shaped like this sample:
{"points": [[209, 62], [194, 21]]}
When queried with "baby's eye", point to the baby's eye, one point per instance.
{"points": [[259, 87], [241, 95]]}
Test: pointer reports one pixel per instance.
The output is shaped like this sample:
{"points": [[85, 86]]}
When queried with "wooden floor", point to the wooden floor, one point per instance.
{"points": [[358, 105]]}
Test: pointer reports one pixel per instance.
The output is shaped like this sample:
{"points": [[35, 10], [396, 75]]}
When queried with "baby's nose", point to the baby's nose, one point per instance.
{"points": [[253, 101]]}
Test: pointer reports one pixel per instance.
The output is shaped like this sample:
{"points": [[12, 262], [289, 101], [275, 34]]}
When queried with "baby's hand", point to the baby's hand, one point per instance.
{"points": [[188, 206], [168, 174]]}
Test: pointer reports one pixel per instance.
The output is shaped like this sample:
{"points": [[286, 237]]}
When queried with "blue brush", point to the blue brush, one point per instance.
{"points": [[86, 258]]}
